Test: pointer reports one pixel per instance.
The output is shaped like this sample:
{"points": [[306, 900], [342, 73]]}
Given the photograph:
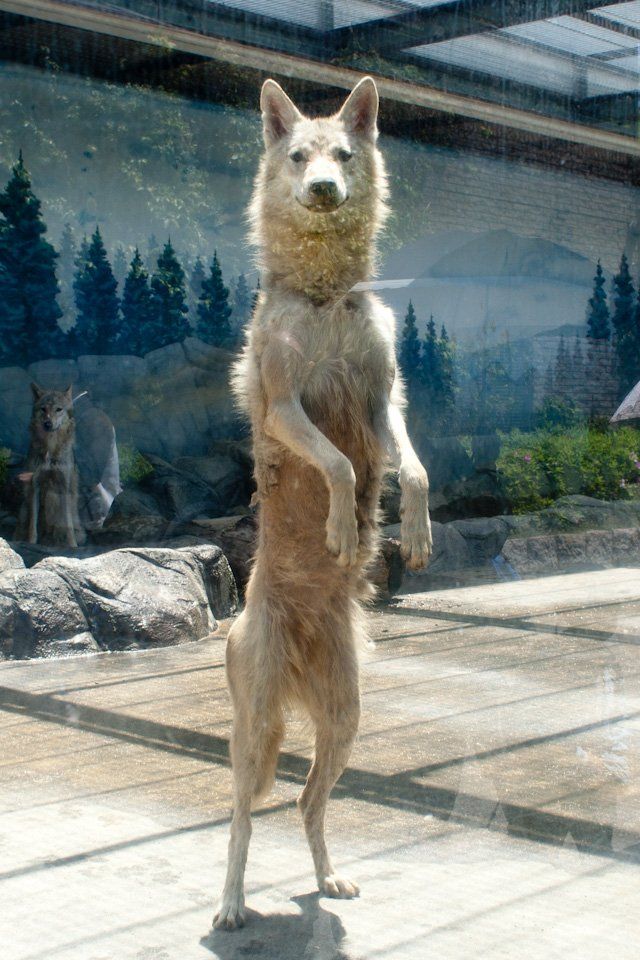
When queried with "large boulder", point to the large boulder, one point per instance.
{"points": [[150, 596], [137, 597]]}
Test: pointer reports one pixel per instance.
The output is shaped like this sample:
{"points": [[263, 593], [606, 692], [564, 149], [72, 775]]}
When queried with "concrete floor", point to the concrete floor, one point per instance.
{"points": [[491, 807]]}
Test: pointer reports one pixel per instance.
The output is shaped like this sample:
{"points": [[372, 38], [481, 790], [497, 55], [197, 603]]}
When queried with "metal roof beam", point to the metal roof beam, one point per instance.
{"points": [[448, 20]]}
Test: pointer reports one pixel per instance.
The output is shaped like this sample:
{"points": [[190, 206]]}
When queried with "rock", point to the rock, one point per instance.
{"points": [[181, 495], [566, 552], [54, 374], [450, 550], [106, 377], [123, 529], [223, 475], [477, 496], [123, 598], [446, 461], [237, 536], [71, 646], [134, 502], [152, 596], [9, 559], [205, 356], [37, 607], [485, 450], [484, 536], [578, 512]]}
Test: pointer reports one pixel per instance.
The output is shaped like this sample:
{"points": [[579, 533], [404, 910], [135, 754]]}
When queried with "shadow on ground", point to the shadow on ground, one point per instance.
{"points": [[312, 933]]}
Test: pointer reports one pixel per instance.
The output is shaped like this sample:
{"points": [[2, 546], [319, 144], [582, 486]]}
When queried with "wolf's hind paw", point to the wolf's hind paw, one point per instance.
{"points": [[342, 542], [231, 914], [339, 887]]}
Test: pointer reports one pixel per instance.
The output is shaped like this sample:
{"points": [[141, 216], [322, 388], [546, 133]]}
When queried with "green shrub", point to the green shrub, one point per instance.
{"points": [[555, 412], [133, 465], [537, 468]]}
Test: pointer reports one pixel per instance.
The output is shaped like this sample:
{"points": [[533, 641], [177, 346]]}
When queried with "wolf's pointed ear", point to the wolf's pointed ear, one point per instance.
{"points": [[359, 112], [68, 394], [279, 113], [36, 390]]}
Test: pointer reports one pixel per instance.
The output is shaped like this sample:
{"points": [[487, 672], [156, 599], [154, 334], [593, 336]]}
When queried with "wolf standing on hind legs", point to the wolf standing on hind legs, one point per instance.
{"points": [[318, 379]]}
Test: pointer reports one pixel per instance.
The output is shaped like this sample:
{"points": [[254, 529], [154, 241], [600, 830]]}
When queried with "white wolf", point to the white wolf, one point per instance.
{"points": [[318, 379]]}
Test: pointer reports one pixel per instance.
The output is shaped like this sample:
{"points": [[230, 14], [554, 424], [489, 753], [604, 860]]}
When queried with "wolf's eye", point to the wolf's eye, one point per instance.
{"points": [[344, 155], [297, 156], [58, 409]]}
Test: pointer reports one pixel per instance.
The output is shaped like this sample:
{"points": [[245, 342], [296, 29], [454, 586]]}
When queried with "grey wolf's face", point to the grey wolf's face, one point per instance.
{"points": [[321, 163], [51, 408]]}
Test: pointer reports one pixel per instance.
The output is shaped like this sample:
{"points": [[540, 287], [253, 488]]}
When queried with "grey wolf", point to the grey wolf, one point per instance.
{"points": [[318, 379], [49, 513]]}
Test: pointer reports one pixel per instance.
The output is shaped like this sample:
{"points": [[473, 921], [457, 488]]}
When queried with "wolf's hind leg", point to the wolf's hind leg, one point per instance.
{"points": [[257, 733], [336, 720]]}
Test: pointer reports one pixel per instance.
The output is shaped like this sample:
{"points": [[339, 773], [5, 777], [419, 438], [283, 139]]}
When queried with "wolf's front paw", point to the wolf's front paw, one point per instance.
{"points": [[342, 538], [416, 543], [415, 527], [231, 914], [339, 887]]}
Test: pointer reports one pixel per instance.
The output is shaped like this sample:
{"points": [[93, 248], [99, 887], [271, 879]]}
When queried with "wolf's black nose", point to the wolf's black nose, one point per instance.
{"points": [[324, 189], [47, 425]]}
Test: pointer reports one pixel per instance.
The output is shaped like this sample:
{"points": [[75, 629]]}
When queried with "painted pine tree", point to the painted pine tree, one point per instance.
{"points": [[242, 303], [600, 385], [98, 323], [137, 309], [170, 310], [447, 373], [626, 339], [430, 363], [120, 267], [29, 263], [598, 326], [409, 355], [214, 312], [195, 288], [12, 321]]}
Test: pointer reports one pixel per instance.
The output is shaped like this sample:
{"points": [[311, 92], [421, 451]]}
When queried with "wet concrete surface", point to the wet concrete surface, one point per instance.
{"points": [[491, 807]]}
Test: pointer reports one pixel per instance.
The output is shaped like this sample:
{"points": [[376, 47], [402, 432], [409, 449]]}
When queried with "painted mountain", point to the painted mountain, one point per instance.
{"points": [[492, 287]]}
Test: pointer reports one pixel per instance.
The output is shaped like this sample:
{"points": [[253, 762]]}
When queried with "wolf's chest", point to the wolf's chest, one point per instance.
{"points": [[338, 385]]}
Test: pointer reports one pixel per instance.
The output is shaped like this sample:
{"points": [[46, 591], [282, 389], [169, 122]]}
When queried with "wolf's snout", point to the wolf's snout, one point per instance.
{"points": [[326, 190], [48, 425]]}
